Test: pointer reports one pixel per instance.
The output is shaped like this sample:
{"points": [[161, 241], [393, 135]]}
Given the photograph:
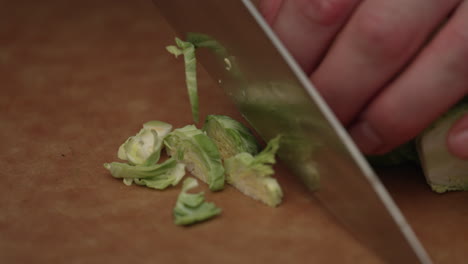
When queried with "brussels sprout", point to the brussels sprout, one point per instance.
{"points": [[252, 174], [188, 50], [443, 171], [191, 207], [162, 128], [230, 136], [158, 176], [145, 147], [199, 153]]}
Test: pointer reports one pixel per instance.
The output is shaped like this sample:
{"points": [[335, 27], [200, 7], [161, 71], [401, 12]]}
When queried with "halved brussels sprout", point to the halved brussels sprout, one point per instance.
{"points": [[199, 153]]}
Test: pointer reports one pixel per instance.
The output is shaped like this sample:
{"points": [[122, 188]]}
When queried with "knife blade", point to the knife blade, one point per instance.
{"points": [[238, 48]]}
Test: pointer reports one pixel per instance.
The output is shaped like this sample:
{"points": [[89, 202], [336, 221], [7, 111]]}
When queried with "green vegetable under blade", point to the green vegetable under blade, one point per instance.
{"points": [[192, 208], [230, 136], [252, 174], [188, 50], [199, 153], [158, 176]]}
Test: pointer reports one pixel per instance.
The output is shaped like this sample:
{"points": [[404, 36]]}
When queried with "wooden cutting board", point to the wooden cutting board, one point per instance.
{"points": [[78, 78]]}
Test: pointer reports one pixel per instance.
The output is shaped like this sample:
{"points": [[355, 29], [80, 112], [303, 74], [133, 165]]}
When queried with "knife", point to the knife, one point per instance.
{"points": [[241, 52]]}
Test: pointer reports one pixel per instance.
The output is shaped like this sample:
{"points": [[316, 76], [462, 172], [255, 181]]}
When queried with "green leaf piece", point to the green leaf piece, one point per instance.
{"points": [[252, 174], [191, 208], [199, 153]]}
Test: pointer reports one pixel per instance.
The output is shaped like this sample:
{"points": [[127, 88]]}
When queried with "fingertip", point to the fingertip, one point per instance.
{"points": [[457, 138]]}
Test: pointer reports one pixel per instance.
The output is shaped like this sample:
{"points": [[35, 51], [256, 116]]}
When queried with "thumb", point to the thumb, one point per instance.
{"points": [[457, 138]]}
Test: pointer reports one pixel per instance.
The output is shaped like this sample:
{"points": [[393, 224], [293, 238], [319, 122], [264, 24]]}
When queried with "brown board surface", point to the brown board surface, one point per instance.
{"points": [[76, 79]]}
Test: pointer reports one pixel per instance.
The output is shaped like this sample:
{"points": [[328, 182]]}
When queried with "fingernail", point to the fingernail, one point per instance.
{"points": [[365, 137], [457, 141]]}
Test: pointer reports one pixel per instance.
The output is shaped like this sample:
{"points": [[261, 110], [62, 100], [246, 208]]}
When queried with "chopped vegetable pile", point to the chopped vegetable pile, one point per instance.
{"points": [[197, 151], [194, 150], [224, 150]]}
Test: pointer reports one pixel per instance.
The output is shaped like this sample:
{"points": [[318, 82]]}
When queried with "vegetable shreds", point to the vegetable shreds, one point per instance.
{"points": [[158, 176], [230, 136], [199, 153], [145, 147], [191, 208], [188, 50], [252, 174]]}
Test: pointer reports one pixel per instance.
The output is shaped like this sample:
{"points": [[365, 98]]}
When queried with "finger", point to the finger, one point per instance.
{"points": [[269, 9], [436, 80], [378, 41], [457, 140], [307, 27]]}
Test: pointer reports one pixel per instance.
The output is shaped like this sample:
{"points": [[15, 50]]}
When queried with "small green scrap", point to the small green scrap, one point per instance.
{"points": [[191, 208], [188, 50], [157, 176], [199, 153], [252, 175]]}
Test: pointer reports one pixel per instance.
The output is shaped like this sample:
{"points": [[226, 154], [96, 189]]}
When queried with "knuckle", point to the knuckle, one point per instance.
{"points": [[382, 35], [391, 122], [325, 12]]}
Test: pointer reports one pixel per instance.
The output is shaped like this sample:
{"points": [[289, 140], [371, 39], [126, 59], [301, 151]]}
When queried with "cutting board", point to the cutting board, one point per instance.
{"points": [[76, 79]]}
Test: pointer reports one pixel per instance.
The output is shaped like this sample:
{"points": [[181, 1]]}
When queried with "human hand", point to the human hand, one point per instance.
{"points": [[386, 68]]}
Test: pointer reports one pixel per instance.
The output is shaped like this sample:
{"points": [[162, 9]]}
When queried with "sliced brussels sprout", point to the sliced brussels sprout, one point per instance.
{"points": [[158, 176], [161, 127], [145, 147], [191, 208], [199, 153], [230, 136], [443, 170], [252, 174], [188, 50]]}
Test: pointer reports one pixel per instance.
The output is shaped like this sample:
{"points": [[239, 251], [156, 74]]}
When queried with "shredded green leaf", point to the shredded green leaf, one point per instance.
{"points": [[191, 208], [199, 153], [252, 175], [188, 50], [230, 136], [145, 147], [158, 176]]}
